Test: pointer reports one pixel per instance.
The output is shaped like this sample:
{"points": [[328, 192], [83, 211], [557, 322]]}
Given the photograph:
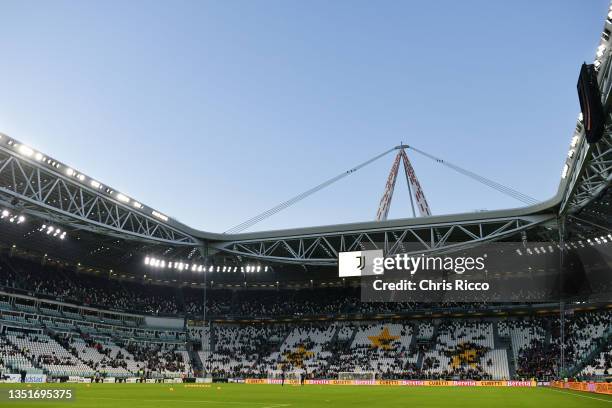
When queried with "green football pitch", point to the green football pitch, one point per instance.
{"points": [[275, 396]]}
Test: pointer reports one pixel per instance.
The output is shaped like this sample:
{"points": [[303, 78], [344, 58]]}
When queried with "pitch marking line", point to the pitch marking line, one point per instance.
{"points": [[265, 404], [579, 395]]}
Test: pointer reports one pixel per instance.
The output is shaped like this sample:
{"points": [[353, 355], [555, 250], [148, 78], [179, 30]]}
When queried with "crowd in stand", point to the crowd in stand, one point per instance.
{"points": [[82, 288], [41, 350], [322, 350], [601, 364], [73, 355], [538, 360], [458, 349], [87, 289], [582, 332]]}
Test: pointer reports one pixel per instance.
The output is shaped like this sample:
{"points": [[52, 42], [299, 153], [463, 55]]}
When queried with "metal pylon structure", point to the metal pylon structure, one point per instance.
{"points": [[414, 187]]}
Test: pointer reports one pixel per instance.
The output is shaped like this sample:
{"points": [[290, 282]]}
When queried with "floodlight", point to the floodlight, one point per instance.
{"points": [[160, 215], [574, 141], [25, 150]]}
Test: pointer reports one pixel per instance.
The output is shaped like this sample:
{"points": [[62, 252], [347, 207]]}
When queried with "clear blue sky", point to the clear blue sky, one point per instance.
{"points": [[212, 111]]}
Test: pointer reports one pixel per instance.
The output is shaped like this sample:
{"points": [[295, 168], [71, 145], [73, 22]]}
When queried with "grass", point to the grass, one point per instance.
{"points": [[275, 396]]}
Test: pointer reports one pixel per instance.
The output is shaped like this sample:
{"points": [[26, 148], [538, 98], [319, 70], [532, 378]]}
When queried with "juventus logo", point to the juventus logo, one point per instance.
{"points": [[361, 262], [357, 263]]}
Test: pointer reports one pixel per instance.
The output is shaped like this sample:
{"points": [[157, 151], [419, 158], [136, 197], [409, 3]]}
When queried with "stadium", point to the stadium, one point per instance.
{"points": [[107, 301]]}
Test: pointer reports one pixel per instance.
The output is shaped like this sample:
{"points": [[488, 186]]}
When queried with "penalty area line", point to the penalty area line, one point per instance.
{"points": [[575, 394]]}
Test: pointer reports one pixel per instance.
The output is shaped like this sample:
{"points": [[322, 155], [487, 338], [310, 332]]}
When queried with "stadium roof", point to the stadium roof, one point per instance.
{"points": [[42, 188]]}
